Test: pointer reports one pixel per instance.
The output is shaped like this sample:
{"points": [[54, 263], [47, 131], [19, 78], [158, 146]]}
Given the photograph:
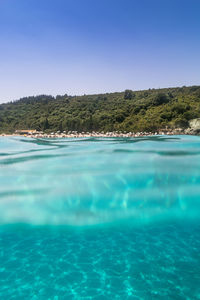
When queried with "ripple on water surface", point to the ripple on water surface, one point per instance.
{"points": [[114, 218]]}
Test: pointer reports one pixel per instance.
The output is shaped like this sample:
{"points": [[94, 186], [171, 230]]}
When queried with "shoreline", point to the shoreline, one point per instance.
{"points": [[74, 134]]}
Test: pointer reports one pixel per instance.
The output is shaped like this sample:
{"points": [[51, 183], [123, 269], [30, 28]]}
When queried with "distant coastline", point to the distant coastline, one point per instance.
{"points": [[129, 112], [73, 134]]}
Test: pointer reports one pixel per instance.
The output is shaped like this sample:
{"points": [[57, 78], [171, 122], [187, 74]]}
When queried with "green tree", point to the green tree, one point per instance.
{"points": [[160, 98], [46, 124], [128, 95]]}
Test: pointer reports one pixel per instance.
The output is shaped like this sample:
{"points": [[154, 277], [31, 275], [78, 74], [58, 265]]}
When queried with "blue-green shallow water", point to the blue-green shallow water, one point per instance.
{"points": [[100, 218]]}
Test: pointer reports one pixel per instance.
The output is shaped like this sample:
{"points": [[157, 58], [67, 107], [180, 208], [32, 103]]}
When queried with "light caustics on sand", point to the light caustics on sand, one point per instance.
{"points": [[96, 181]]}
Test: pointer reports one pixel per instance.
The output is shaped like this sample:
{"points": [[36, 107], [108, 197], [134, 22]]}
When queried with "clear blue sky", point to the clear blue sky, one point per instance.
{"points": [[92, 46]]}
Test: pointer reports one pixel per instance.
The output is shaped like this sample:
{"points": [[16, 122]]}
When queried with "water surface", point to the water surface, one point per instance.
{"points": [[110, 218]]}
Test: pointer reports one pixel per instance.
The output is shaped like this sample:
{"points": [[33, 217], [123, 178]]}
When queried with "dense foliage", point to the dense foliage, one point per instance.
{"points": [[146, 110]]}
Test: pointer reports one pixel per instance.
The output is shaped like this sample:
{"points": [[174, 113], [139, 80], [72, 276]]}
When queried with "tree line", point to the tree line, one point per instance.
{"points": [[147, 110]]}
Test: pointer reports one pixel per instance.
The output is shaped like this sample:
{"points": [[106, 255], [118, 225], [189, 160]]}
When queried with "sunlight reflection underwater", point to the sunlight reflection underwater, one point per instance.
{"points": [[100, 218], [95, 181]]}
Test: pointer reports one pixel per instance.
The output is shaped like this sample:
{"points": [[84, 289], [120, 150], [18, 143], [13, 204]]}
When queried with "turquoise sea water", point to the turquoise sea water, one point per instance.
{"points": [[105, 218]]}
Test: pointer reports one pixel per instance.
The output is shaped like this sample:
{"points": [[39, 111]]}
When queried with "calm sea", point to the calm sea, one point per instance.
{"points": [[92, 218]]}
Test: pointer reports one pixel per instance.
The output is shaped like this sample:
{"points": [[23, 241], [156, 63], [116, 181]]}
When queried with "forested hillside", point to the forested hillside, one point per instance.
{"points": [[146, 110]]}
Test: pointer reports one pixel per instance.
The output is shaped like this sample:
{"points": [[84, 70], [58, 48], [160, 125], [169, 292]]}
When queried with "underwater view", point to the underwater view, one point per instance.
{"points": [[100, 218]]}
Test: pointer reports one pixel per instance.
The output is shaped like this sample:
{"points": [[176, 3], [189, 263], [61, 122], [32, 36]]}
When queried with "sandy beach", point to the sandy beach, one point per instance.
{"points": [[75, 134]]}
